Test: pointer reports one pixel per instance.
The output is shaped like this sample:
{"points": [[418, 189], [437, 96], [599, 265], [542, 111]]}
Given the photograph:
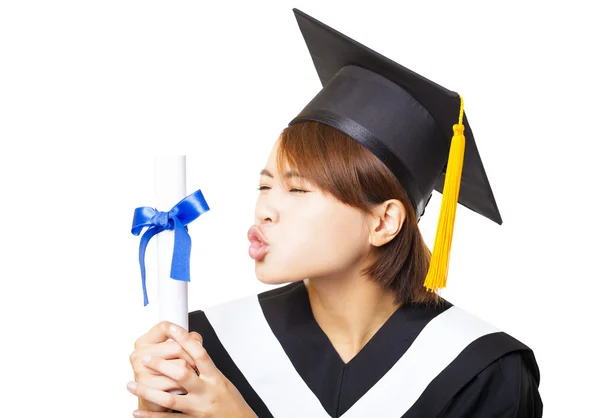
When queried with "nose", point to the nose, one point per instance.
{"points": [[265, 211]]}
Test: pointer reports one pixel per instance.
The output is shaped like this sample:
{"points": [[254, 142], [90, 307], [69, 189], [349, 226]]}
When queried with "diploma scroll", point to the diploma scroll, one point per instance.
{"points": [[170, 188]]}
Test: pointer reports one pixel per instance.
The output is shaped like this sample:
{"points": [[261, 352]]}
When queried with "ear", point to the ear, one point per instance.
{"points": [[385, 222]]}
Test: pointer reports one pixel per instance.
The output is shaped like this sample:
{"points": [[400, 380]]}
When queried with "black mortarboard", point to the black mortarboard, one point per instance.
{"points": [[404, 119]]}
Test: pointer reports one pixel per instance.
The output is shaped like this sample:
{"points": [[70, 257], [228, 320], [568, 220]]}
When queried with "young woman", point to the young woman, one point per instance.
{"points": [[356, 328]]}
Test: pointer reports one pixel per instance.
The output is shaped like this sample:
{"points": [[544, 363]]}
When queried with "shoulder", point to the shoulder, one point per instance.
{"points": [[508, 387], [495, 374], [485, 343]]}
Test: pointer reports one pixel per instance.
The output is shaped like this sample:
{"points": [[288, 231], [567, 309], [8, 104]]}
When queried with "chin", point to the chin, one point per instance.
{"points": [[272, 275]]}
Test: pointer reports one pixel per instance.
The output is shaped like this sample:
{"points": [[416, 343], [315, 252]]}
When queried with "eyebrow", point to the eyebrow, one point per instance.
{"points": [[289, 174]]}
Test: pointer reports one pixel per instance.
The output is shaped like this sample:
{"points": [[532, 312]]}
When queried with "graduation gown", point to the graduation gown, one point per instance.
{"points": [[423, 362]]}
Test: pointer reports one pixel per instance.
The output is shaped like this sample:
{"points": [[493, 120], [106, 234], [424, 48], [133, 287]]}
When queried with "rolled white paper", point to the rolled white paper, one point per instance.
{"points": [[170, 188]]}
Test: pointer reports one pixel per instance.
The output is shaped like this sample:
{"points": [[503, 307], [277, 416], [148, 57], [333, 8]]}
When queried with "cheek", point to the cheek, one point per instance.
{"points": [[342, 235], [329, 236]]}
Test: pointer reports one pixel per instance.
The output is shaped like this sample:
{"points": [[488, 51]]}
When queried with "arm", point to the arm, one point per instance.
{"points": [[505, 389]]}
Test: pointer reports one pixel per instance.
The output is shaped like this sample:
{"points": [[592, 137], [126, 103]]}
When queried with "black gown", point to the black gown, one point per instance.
{"points": [[423, 362]]}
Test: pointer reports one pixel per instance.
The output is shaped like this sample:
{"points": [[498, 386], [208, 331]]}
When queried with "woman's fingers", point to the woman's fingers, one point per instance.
{"points": [[167, 350], [157, 342], [204, 363], [196, 337], [159, 397], [160, 382], [185, 376]]}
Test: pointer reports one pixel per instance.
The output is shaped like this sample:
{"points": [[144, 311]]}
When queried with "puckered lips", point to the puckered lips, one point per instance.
{"points": [[259, 245]]}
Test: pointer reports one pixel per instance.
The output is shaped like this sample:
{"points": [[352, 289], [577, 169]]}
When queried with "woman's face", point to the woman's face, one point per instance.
{"points": [[310, 235]]}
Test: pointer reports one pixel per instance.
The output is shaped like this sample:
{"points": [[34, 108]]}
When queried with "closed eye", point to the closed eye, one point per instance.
{"points": [[291, 190]]}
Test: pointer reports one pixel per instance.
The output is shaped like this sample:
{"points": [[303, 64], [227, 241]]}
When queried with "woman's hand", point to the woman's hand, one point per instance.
{"points": [[154, 343], [209, 394]]}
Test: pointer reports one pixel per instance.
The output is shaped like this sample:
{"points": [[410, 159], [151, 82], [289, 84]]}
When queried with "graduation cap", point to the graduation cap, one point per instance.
{"points": [[416, 127]]}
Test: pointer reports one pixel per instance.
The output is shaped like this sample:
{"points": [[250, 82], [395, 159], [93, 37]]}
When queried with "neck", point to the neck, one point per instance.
{"points": [[349, 310]]}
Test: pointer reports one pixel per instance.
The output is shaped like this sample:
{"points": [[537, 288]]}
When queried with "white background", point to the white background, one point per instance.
{"points": [[91, 91]]}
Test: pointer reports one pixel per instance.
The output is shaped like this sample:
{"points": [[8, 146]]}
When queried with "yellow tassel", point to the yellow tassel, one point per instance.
{"points": [[440, 257]]}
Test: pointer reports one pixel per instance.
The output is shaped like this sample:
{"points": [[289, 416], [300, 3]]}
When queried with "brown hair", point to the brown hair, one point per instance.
{"points": [[343, 168]]}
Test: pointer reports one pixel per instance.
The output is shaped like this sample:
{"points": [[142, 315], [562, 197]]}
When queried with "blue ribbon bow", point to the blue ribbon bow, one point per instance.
{"points": [[177, 218]]}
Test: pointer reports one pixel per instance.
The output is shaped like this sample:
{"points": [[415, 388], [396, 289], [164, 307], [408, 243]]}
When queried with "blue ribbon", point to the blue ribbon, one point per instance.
{"points": [[177, 218]]}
